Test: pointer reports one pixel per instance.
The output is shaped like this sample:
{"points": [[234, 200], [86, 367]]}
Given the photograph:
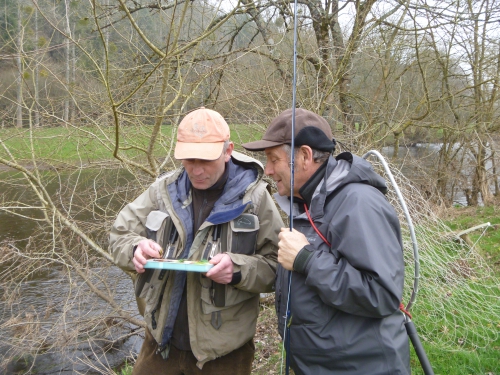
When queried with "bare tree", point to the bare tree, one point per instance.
{"points": [[19, 122]]}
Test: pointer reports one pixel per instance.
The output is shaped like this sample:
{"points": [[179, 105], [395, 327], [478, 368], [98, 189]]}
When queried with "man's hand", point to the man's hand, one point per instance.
{"points": [[222, 271], [289, 246], [146, 249]]}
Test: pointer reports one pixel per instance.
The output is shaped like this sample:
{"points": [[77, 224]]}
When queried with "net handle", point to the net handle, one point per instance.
{"points": [[402, 202]]}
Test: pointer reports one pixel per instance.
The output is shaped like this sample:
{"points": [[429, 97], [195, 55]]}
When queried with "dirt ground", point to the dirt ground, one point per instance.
{"points": [[267, 340]]}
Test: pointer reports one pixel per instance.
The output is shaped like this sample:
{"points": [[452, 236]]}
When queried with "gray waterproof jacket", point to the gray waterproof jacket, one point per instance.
{"points": [[345, 316]]}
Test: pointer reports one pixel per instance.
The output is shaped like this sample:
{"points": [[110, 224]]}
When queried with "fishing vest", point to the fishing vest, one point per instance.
{"points": [[237, 236]]}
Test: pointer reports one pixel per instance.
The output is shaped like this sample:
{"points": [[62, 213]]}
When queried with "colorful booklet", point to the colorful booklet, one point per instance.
{"points": [[179, 265]]}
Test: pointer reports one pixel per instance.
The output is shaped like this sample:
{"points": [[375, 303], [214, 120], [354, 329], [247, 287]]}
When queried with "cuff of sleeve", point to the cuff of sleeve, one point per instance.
{"points": [[302, 259], [236, 278]]}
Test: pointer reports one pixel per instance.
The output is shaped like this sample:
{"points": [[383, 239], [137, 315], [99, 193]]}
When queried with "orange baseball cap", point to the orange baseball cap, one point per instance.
{"points": [[201, 135]]}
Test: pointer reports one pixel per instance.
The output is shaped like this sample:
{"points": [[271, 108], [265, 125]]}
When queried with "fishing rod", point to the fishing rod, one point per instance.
{"points": [[286, 333]]}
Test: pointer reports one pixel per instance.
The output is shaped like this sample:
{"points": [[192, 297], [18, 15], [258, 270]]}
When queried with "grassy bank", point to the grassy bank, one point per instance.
{"points": [[461, 218], [461, 357], [88, 144], [82, 145]]}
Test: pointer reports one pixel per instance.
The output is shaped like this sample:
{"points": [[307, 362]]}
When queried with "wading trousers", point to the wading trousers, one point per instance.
{"points": [[183, 362]]}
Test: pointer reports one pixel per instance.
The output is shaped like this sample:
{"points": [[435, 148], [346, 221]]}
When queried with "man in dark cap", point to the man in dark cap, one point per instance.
{"points": [[345, 255]]}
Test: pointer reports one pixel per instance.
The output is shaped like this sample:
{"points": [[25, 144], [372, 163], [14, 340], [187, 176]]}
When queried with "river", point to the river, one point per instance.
{"points": [[82, 334]]}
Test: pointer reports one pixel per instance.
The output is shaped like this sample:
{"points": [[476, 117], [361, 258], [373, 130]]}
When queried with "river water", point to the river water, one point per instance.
{"points": [[90, 355], [82, 332], [422, 156]]}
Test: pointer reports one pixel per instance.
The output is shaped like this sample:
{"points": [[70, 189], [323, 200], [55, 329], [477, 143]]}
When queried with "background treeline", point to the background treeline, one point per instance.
{"points": [[382, 73]]}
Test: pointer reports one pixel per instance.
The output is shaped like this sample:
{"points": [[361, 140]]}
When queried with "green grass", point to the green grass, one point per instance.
{"points": [[75, 145], [489, 244], [479, 362], [61, 145], [472, 348], [125, 369]]}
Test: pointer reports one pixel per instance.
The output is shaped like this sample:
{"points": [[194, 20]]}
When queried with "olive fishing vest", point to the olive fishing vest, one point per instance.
{"points": [[236, 236]]}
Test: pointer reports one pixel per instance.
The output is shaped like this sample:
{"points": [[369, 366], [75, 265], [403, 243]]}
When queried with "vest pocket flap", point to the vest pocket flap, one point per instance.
{"points": [[155, 219], [245, 223], [243, 234], [233, 297], [148, 281]]}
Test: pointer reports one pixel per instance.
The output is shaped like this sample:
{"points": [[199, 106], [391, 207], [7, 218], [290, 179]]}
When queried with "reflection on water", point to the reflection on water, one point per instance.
{"points": [[66, 306], [66, 312], [103, 187]]}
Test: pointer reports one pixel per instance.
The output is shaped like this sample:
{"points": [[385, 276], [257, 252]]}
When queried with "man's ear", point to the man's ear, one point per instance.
{"points": [[306, 155], [229, 151]]}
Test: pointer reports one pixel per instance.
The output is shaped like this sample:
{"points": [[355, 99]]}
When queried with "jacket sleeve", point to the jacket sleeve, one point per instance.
{"points": [[258, 271], [129, 229], [363, 273]]}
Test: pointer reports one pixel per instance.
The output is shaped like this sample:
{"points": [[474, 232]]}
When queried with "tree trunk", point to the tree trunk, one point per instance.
{"points": [[73, 79], [494, 169], [37, 74], [68, 65], [395, 152], [482, 174], [19, 117]]}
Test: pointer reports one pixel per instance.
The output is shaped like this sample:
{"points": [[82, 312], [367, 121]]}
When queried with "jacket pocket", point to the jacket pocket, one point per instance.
{"points": [[154, 297], [233, 296], [155, 287], [243, 234]]}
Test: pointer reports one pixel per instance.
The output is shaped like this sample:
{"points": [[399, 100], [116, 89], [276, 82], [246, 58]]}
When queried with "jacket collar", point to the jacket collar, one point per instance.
{"points": [[307, 190], [334, 173]]}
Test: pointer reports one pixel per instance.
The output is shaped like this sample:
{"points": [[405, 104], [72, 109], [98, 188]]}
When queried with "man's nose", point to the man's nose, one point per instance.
{"points": [[268, 170], [197, 169]]}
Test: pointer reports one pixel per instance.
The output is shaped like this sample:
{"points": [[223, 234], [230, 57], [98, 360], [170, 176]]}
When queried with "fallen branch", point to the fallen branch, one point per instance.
{"points": [[463, 235]]}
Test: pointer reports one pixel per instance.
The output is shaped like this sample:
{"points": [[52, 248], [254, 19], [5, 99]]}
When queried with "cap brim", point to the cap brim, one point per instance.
{"points": [[204, 151], [261, 145]]}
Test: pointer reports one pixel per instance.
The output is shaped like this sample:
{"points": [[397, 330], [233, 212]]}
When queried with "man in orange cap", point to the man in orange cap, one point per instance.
{"points": [[216, 208]]}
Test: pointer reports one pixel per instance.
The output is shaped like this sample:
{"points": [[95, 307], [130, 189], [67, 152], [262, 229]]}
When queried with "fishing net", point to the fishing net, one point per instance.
{"points": [[458, 298]]}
